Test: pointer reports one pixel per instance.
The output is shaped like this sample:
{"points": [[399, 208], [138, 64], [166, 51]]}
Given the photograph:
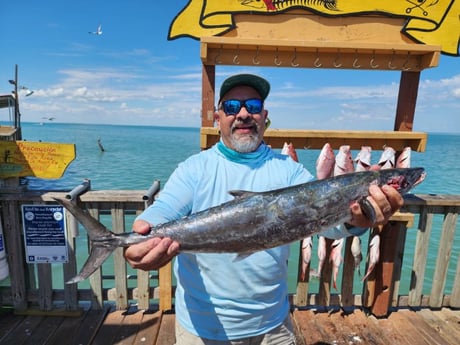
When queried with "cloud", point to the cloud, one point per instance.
{"points": [[173, 96]]}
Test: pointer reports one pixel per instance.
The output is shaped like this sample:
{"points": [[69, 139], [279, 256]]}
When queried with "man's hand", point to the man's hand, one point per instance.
{"points": [[151, 254], [385, 201]]}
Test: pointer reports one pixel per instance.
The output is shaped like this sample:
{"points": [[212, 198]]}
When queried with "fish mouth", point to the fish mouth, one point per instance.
{"points": [[398, 182], [420, 179], [403, 183]]}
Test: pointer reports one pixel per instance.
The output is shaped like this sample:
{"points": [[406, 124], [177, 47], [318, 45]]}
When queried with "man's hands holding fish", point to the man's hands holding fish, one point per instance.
{"points": [[157, 252]]}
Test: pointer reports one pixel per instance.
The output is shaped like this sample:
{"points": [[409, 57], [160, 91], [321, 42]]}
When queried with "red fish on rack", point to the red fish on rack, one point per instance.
{"points": [[374, 254], [289, 150], [404, 157], [387, 159], [325, 162], [363, 159]]}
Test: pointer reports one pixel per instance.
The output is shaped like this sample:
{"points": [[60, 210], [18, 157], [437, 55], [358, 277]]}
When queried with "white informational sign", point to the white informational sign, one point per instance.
{"points": [[44, 233]]}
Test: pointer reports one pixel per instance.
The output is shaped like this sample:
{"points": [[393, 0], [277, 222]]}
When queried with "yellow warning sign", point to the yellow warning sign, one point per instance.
{"points": [[39, 159]]}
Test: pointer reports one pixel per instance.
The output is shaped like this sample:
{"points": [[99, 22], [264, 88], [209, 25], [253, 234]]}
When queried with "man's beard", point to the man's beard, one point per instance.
{"points": [[245, 143]]}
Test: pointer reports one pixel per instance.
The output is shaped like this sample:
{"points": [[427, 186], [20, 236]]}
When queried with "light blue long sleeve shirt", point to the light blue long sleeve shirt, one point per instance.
{"points": [[220, 296]]}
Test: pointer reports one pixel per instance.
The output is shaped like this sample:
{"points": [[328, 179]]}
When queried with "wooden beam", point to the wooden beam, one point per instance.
{"points": [[315, 139], [317, 54]]}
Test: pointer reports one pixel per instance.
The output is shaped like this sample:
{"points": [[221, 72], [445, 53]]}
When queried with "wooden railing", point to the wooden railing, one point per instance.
{"points": [[433, 222]]}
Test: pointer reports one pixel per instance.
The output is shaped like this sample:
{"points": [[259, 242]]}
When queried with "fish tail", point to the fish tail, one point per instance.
{"points": [[104, 242], [99, 253]]}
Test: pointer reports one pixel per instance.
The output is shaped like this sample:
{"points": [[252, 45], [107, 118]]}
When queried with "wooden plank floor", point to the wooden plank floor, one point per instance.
{"points": [[112, 327]]}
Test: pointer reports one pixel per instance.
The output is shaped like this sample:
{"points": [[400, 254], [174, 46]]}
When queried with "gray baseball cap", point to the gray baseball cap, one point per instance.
{"points": [[258, 83]]}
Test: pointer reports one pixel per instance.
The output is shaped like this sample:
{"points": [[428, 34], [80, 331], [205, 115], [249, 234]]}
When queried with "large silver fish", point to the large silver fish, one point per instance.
{"points": [[253, 221]]}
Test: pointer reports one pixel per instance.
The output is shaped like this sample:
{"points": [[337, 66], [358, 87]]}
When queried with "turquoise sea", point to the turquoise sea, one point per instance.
{"points": [[135, 156]]}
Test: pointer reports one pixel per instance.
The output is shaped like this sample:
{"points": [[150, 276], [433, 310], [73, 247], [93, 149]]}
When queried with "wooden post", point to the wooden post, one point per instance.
{"points": [[208, 95], [165, 282], [324, 297], [70, 268], [15, 253], [407, 98], [95, 279], [348, 275], [380, 291], [380, 283], [301, 298], [121, 284], [143, 277]]}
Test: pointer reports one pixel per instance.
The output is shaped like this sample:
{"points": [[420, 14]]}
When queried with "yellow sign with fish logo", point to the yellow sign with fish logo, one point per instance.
{"points": [[39, 159], [431, 22]]}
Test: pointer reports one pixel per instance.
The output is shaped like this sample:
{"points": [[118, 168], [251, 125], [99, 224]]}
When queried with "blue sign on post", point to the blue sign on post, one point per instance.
{"points": [[44, 233]]}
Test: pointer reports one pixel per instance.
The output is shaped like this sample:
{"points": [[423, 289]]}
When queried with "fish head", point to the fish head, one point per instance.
{"points": [[363, 159], [289, 150], [284, 150], [402, 179], [292, 152], [344, 161], [404, 157], [387, 159], [364, 155]]}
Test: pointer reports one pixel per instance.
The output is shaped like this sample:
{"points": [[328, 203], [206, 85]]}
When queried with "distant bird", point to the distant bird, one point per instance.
{"points": [[51, 118], [98, 31], [27, 90]]}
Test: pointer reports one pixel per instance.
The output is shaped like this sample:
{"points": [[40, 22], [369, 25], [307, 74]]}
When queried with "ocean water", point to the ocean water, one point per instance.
{"points": [[135, 156]]}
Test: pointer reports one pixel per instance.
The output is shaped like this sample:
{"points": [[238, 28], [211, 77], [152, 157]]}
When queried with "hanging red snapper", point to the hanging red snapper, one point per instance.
{"points": [[403, 160], [289, 150], [325, 162], [387, 159], [343, 161], [363, 159]]}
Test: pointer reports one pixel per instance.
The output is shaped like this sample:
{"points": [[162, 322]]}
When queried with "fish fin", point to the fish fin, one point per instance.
{"points": [[241, 193], [99, 253], [94, 228], [367, 209]]}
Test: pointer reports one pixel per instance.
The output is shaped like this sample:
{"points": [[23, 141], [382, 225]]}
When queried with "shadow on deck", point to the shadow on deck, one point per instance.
{"points": [[334, 327]]}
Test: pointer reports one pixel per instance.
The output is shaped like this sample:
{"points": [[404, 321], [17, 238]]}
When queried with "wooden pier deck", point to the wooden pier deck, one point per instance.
{"points": [[331, 327]]}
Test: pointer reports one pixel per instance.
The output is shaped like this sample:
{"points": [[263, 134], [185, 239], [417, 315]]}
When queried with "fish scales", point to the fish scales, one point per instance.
{"points": [[276, 218], [252, 221]]}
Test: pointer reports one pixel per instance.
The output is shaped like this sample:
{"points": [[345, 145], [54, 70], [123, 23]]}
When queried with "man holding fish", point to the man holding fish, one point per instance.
{"points": [[228, 298]]}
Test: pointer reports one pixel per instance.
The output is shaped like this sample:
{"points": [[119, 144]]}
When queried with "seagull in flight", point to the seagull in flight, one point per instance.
{"points": [[98, 32]]}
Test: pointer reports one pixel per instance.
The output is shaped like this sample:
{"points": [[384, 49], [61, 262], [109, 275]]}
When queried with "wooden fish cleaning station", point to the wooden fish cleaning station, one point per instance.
{"points": [[310, 41], [114, 311]]}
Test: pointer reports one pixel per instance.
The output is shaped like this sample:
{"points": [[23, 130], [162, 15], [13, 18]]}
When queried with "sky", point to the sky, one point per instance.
{"points": [[133, 75]]}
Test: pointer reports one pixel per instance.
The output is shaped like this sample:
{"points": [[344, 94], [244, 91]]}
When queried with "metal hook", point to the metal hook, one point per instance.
{"points": [[219, 53], [405, 66], [390, 63], [355, 63], [255, 59], [316, 63], [335, 62], [236, 60], [277, 61], [373, 65], [294, 62]]}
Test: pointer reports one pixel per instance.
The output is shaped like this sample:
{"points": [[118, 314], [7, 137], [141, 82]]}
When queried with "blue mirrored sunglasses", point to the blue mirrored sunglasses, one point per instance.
{"points": [[233, 106]]}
